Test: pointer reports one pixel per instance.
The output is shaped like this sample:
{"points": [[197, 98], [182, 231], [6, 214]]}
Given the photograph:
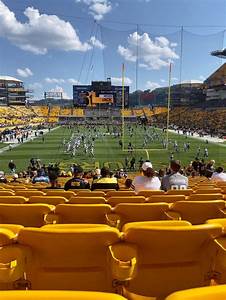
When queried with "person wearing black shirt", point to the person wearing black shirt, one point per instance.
{"points": [[77, 182]]}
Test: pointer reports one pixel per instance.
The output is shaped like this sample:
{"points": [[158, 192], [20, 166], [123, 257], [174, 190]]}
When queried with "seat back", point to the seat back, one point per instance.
{"points": [[197, 212], [166, 198], [6, 193], [69, 259], [90, 194], [28, 194], [187, 192], [31, 215], [12, 199], [134, 212], [62, 193], [87, 213], [51, 200], [208, 191], [205, 197], [171, 258], [120, 194], [113, 201], [147, 193], [87, 200]]}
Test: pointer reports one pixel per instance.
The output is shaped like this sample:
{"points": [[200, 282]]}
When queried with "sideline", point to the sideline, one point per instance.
{"points": [[32, 137]]}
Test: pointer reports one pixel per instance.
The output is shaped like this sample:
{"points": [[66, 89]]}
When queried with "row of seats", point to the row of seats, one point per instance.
{"points": [[37, 215], [152, 259]]}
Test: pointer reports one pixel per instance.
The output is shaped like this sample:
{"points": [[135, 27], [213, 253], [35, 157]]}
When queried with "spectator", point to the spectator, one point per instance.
{"points": [[105, 181], [77, 182], [219, 175], [128, 184], [2, 177], [38, 177], [12, 167], [148, 181], [174, 180]]}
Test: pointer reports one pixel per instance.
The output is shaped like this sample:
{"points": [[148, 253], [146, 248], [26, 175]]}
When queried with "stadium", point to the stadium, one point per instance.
{"points": [[112, 152]]}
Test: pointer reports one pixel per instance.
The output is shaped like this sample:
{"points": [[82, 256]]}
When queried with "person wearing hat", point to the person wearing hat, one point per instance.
{"points": [[175, 180], [147, 181], [77, 182]]}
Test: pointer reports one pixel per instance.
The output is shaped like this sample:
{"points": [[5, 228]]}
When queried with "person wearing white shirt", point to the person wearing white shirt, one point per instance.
{"points": [[148, 181], [219, 175]]}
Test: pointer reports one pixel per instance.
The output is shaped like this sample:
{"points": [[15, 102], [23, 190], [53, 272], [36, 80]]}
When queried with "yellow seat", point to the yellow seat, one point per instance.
{"points": [[28, 193], [205, 197], [147, 194], [87, 213], [208, 191], [120, 194], [187, 192], [70, 259], [203, 293], [63, 193], [24, 214], [166, 198], [113, 201], [170, 258], [134, 212], [52, 200], [87, 200], [58, 295], [198, 212], [90, 194], [6, 193], [12, 199]]}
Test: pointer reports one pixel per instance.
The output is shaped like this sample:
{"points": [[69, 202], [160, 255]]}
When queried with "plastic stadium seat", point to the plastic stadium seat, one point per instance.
{"points": [[120, 194], [147, 194], [187, 192], [198, 212], [87, 200], [28, 193], [87, 213], [134, 212], [208, 191], [63, 193], [12, 199], [204, 197], [90, 194], [70, 259], [52, 200], [203, 293], [58, 295], [170, 258], [113, 201], [24, 214], [6, 193], [166, 198]]}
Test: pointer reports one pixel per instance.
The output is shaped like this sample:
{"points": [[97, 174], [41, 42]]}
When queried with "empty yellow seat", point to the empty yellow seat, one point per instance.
{"points": [[90, 194], [52, 200], [113, 201], [87, 213], [6, 193], [28, 193], [208, 191], [147, 194], [24, 214], [203, 293], [120, 194], [170, 258], [187, 192], [12, 199], [166, 198], [205, 197], [198, 212], [87, 200], [70, 259], [63, 193], [134, 212], [58, 295]]}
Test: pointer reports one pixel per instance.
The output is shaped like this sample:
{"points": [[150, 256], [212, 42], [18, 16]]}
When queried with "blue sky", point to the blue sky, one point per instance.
{"points": [[53, 44]]}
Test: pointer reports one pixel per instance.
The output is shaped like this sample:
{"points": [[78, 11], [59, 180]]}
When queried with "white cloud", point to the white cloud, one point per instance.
{"points": [[192, 81], [118, 81], [40, 33], [152, 85], [96, 43], [152, 54], [24, 72], [201, 77], [35, 86], [163, 80], [54, 80], [59, 89], [174, 79], [97, 8], [73, 81]]}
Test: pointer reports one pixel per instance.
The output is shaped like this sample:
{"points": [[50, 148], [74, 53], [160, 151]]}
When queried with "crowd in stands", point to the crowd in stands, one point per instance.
{"points": [[203, 122]]}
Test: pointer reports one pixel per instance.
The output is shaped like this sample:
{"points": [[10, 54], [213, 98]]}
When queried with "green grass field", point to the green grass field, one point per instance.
{"points": [[107, 151]]}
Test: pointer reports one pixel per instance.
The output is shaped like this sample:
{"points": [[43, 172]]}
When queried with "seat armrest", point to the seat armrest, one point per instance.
{"points": [[123, 261], [12, 263], [51, 218], [113, 220], [173, 215]]}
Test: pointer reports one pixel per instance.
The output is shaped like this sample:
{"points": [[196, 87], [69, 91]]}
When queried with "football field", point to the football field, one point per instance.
{"points": [[107, 149]]}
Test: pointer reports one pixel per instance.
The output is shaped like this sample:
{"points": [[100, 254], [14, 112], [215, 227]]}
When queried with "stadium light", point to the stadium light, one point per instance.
{"points": [[219, 53]]}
